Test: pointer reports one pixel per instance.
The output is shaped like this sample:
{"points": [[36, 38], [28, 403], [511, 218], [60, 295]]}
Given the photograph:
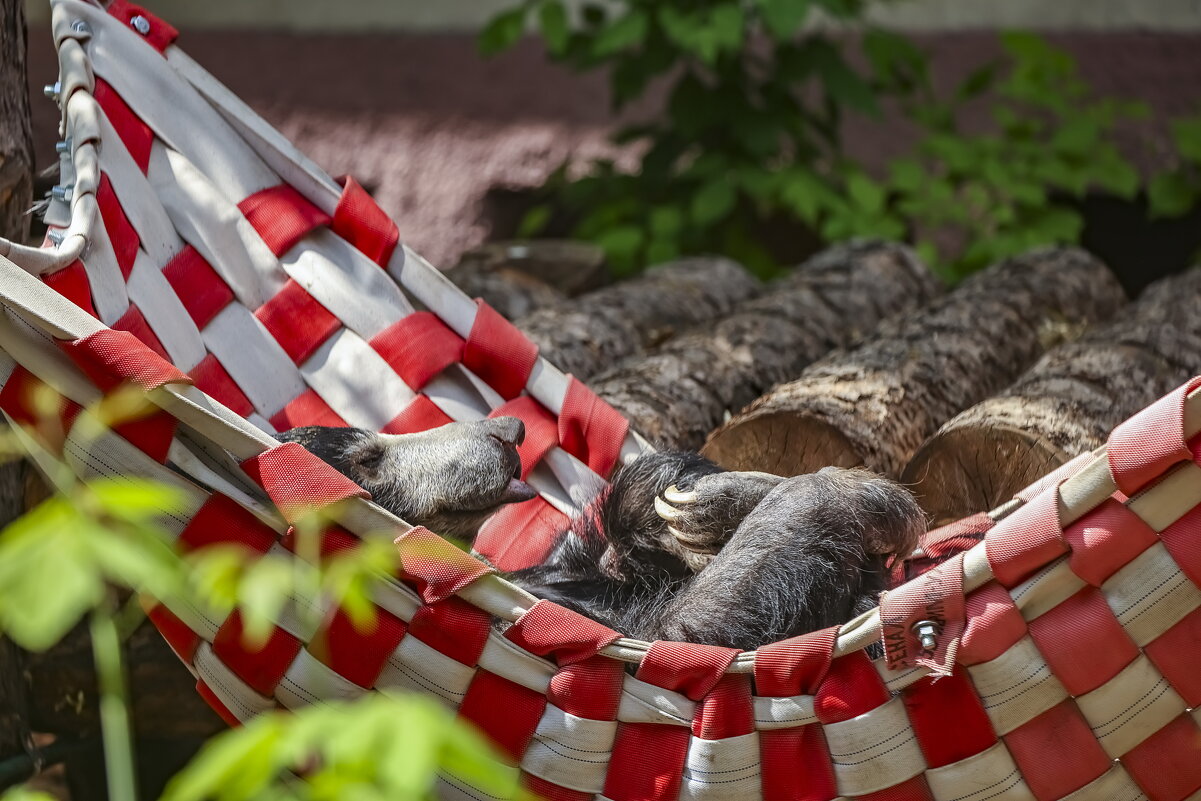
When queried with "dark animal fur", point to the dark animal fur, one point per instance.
{"points": [[766, 558]]}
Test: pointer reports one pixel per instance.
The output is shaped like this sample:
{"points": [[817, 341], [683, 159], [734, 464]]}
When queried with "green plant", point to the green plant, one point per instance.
{"points": [[85, 554], [751, 103], [1174, 192], [751, 130]]}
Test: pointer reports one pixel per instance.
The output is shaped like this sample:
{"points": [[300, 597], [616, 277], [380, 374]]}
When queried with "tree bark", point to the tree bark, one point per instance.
{"points": [[16, 193], [593, 331], [874, 406], [680, 392], [164, 701], [511, 292], [1064, 406]]}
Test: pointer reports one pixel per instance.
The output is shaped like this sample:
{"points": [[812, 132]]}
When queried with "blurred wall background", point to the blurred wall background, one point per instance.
{"points": [[396, 94]]}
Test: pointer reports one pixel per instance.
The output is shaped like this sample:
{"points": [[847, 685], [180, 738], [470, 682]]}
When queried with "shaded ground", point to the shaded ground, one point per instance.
{"points": [[430, 126]]}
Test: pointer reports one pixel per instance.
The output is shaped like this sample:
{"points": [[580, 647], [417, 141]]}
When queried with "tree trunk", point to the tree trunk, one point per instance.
{"points": [[679, 393], [511, 292], [1064, 406], [164, 702], [16, 192], [593, 331], [874, 406]]}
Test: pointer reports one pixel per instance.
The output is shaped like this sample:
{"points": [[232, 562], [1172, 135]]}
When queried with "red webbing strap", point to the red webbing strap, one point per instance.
{"points": [[110, 358], [213, 380], [588, 689], [282, 216], [648, 758], [1175, 656], [498, 352], [421, 414], [726, 711], [121, 234], [360, 221], [135, 323], [1082, 641], [1145, 446], [135, 134], [436, 568], [795, 666], [1165, 765], [22, 398], [221, 521], [520, 534], [795, 761], [559, 634], [1028, 539], [201, 291], [590, 429], [152, 433], [306, 409], [541, 788], [1105, 539], [541, 432], [72, 283], [850, 688], [453, 627], [261, 665], [333, 540], [505, 711], [994, 625], [931, 701], [358, 652], [297, 321], [418, 347], [157, 32], [217, 704], [1040, 745], [935, 597], [942, 543], [299, 482], [183, 640]]}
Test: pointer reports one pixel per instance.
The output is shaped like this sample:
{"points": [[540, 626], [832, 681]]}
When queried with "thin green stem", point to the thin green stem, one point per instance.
{"points": [[114, 708]]}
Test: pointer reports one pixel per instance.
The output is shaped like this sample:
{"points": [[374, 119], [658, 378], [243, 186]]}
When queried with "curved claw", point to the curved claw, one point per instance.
{"points": [[666, 511], [675, 495], [692, 544]]}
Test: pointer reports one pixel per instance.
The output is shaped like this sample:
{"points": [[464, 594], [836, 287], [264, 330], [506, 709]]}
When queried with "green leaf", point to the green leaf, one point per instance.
{"points": [[894, 58], [843, 85], [553, 19], [534, 221], [713, 202], [626, 32], [867, 194], [783, 17], [977, 82], [1187, 135], [907, 174], [502, 32], [666, 220], [1170, 195], [621, 243]]}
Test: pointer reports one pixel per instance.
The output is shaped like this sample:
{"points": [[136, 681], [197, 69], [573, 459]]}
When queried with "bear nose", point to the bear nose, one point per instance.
{"points": [[509, 430]]}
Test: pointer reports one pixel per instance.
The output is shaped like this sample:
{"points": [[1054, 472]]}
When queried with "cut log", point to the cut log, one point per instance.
{"points": [[874, 406], [1064, 406], [591, 332], [511, 292], [569, 266], [680, 392]]}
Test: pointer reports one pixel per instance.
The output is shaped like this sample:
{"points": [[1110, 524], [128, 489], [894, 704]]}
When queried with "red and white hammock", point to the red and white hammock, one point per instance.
{"points": [[196, 254]]}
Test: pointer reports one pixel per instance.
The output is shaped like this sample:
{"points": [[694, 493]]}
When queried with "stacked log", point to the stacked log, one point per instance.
{"points": [[877, 404], [680, 392], [1064, 406], [593, 331], [511, 292]]}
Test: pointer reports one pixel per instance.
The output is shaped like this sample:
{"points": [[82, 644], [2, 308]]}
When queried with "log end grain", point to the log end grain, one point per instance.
{"points": [[967, 471], [781, 443]]}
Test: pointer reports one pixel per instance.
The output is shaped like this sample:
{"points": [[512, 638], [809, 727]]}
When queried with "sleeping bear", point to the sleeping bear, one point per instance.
{"points": [[675, 549]]}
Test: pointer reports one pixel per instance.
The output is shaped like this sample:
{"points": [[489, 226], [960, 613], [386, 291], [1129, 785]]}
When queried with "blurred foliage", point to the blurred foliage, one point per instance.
{"points": [[752, 129], [93, 546]]}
